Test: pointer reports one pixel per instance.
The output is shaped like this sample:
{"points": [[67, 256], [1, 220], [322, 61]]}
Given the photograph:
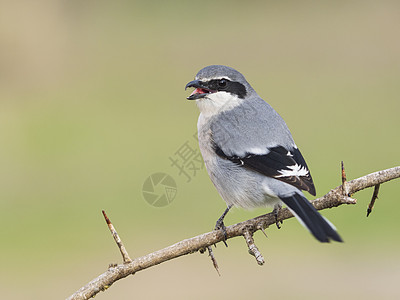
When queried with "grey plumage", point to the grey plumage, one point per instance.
{"points": [[249, 151]]}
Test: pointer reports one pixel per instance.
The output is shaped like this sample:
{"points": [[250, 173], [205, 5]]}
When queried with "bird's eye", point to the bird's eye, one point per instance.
{"points": [[222, 83]]}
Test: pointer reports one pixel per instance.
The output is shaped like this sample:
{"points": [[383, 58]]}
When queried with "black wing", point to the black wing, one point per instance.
{"points": [[285, 165]]}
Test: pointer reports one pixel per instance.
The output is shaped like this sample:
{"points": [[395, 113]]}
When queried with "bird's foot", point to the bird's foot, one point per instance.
{"points": [[276, 211], [221, 226]]}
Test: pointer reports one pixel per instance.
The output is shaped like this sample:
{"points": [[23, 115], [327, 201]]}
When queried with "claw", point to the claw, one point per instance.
{"points": [[221, 226], [277, 224], [276, 211]]}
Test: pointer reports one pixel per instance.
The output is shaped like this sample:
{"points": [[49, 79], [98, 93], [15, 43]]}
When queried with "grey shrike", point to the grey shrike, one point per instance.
{"points": [[249, 151]]}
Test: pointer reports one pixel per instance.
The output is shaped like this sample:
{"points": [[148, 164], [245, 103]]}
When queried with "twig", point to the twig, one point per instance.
{"points": [[253, 250], [374, 197], [344, 181], [214, 261], [125, 256], [332, 199], [343, 173]]}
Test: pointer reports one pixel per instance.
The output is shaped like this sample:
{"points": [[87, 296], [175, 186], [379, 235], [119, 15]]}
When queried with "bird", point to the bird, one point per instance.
{"points": [[249, 152]]}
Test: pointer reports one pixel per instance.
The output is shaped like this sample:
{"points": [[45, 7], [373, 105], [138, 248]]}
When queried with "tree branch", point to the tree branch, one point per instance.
{"points": [[125, 256], [337, 196]]}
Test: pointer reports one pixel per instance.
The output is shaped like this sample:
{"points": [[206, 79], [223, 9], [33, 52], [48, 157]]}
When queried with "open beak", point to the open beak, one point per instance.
{"points": [[200, 90]]}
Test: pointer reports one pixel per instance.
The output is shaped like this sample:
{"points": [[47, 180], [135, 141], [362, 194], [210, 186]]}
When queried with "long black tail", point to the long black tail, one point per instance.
{"points": [[311, 218]]}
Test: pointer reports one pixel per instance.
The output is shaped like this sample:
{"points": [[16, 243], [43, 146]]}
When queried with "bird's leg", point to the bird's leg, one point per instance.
{"points": [[276, 211], [220, 223]]}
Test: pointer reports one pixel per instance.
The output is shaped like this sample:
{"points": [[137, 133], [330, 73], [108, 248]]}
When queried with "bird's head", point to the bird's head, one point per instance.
{"points": [[218, 88]]}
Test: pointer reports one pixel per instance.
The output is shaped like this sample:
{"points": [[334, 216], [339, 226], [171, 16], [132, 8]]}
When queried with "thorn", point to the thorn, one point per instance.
{"points": [[374, 197], [263, 231], [214, 261]]}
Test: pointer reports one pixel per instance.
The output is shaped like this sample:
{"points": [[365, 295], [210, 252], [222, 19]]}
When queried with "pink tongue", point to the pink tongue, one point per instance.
{"points": [[197, 91]]}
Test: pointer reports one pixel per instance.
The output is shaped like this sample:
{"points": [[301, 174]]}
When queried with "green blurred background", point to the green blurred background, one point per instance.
{"points": [[93, 102]]}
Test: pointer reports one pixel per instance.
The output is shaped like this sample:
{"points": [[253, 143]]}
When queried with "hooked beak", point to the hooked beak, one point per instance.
{"points": [[200, 90]]}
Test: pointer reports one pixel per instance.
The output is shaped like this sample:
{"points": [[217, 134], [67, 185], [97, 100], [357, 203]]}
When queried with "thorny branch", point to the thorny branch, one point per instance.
{"points": [[337, 196]]}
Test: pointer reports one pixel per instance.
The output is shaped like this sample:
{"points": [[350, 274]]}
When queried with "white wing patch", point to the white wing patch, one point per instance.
{"points": [[294, 170], [258, 151]]}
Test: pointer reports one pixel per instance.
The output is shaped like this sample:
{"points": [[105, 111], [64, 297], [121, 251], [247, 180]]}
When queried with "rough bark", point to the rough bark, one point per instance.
{"points": [[337, 196]]}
